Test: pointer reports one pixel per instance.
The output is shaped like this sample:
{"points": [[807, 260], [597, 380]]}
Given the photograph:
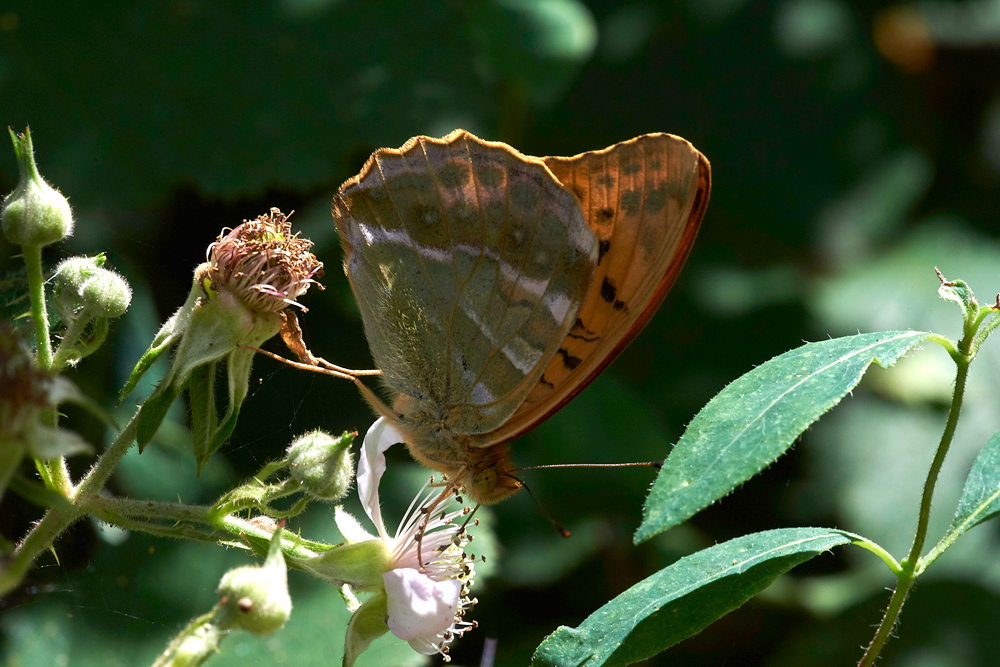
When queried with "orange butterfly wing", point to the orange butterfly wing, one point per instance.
{"points": [[644, 199]]}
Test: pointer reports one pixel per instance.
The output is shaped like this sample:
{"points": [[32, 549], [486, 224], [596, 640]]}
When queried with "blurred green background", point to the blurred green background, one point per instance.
{"points": [[854, 146]]}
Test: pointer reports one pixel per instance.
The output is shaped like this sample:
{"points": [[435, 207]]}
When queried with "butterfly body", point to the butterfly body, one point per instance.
{"points": [[494, 286]]}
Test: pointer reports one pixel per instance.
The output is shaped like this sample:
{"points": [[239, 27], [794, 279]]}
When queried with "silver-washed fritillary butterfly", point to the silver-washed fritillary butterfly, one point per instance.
{"points": [[495, 286]]}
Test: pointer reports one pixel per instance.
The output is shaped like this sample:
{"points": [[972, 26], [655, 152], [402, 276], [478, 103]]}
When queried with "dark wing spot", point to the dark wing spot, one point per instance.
{"points": [[606, 213], [619, 305], [603, 246], [631, 168], [490, 177], [608, 291], [548, 384], [607, 181], [655, 164], [581, 332], [569, 361], [656, 198], [454, 175], [630, 202]]}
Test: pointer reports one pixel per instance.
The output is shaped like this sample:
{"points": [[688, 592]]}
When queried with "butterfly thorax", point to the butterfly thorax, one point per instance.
{"points": [[483, 472]]}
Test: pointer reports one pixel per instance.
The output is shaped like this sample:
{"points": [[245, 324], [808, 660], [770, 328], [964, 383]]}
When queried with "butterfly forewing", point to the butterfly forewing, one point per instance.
{"points": [[644, 200], [469, 262]]}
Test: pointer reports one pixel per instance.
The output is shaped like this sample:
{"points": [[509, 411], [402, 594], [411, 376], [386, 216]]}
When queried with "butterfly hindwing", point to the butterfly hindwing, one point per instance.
{"points": [[644, 200]]}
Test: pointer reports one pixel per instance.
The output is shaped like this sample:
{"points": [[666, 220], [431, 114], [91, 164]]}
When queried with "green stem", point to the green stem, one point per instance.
{"points": [[36, 287], [38, 539], [98, 476], [140, 515], [944, 342], [932, 475], [909, 564], [55, 521], [54, 473], [886, 557], [888, 621], [70, 342], [149, 510]]}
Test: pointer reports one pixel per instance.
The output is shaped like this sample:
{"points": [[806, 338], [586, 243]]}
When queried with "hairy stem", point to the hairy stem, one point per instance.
{"points": [[36, 288], [909, 564]]}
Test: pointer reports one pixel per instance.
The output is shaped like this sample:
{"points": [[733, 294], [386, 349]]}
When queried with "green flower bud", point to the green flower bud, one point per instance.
{"points": [[35, 213], [106, 295], [196, 643], [255, 597], [322, 464], [70, 279]]}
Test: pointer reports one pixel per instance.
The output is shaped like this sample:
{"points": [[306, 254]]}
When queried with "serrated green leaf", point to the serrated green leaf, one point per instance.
{"points": [[684, 598], [755, 419], [980, 499]]}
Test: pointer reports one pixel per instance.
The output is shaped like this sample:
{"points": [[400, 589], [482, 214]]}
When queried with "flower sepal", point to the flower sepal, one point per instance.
{"points": [[366, 625], [359, 565]]}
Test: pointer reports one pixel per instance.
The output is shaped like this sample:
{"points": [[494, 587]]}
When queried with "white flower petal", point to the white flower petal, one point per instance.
{"points": [[349, 527], [379, 438], [419, 607]]}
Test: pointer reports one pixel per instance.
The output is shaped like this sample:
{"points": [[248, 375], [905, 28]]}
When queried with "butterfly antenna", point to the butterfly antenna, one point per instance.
{"points": [[637, 464], [548, 517]]}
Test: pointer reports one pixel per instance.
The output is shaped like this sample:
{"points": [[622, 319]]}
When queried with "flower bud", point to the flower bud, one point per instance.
{"points": [[322, 464], [83, 287], [255, 597], [34, 214], [106, 295]]}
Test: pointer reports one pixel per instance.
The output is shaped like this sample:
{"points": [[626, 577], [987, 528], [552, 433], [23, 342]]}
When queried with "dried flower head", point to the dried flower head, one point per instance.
{"points": [[262, 262]]}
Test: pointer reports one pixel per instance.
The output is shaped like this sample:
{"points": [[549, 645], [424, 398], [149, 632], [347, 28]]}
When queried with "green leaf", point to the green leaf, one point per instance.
{"points": [[204, 415], [959, 292], [980, 499], [684, 598], [755, 419], [153, 411]]}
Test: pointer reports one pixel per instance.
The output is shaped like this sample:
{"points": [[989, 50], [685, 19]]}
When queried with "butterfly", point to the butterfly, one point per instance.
{"points": [[495, 286]]}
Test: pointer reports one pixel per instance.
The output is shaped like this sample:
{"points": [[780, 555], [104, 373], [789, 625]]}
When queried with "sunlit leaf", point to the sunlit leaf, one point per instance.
{"points": [[981, 496], [755, 419], [681, 600]]}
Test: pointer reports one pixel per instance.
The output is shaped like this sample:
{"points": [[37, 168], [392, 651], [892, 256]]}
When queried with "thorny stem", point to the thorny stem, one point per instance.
{"points": [[909, 564]]}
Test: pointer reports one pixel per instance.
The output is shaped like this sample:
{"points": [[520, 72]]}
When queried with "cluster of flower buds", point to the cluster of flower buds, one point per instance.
{"points": [[87, 295]]}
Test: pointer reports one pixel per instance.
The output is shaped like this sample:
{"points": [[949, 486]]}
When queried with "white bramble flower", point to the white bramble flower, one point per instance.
{"points": [[426, 586]]}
